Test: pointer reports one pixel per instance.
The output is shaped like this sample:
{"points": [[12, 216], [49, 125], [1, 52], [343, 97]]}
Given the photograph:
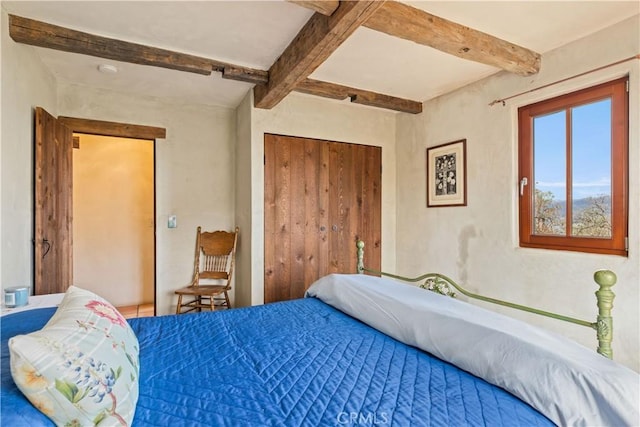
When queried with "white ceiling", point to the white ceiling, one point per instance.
{"points": [[254, 34]]}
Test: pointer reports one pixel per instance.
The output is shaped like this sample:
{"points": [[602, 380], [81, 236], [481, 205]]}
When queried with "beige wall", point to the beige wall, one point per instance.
{"points": [[243, 209], [113, 218], [313, 117], [478, 244], [194, 171], [25, 84]]}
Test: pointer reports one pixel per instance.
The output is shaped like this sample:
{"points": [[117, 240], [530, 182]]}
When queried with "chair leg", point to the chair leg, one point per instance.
{"points": [[226, 298], [179, 304]]}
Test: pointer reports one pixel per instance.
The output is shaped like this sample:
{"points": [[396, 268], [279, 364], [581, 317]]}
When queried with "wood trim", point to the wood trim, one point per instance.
{"points": [[525, 170], [407, 22], [325, 7], [42, 34], [358, 96], [315, 42], [122, 130]]}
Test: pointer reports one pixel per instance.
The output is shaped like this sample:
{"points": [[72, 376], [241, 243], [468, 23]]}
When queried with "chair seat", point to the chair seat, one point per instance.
{"points": [[218, 275], [202, 290]]}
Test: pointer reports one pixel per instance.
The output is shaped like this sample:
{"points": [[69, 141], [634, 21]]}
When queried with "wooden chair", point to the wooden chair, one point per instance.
{"points": [[215, 256]]}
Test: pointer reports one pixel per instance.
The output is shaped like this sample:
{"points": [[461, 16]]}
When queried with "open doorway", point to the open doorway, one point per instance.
{"points": [[114, 220]]}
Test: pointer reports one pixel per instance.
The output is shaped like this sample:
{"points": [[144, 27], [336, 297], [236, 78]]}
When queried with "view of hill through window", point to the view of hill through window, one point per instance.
{"points": [[572, 159]]}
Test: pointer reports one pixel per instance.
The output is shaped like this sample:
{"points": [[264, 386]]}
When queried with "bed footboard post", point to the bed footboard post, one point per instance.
{"points": [[604, 325], [360, 246]]}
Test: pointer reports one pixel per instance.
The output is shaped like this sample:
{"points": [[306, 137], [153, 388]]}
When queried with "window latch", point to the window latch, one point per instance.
{"points": [[524, 181]]}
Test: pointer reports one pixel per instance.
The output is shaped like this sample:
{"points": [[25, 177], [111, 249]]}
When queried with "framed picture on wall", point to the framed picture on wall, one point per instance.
{"points": [[447, 174]]}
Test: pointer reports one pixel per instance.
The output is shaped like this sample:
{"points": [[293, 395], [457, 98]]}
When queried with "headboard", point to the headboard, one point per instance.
{"points": [[442, 284]]}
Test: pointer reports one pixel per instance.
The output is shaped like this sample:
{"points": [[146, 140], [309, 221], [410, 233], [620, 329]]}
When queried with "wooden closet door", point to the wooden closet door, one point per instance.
{"points": [[320, 197]]}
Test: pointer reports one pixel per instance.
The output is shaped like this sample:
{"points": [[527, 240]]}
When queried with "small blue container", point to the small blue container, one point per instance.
{"points": [[17, 296]]}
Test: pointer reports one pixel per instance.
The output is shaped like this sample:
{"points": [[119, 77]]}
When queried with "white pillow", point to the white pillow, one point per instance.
{"points": [[82, 367]]}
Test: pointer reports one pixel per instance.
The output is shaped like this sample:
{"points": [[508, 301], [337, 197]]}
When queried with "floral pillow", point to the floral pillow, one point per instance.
{"points": [[82, 368]]}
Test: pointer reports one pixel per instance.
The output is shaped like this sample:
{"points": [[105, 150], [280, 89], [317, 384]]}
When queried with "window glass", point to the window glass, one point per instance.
{"points": [[591, 167], [550, 172]]}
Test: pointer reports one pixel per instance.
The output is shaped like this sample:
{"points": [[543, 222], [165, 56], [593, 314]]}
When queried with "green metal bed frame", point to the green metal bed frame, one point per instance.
{"points": [[444, 285]]}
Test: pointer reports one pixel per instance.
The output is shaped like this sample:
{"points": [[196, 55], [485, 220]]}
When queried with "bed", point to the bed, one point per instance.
{"points": [[358, 350]]}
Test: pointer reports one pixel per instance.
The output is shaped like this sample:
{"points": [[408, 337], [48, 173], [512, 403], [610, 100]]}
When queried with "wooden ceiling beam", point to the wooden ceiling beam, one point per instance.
{"points": [[42, 34], [410, 23], [324, 89], [36, 33], [325, 7], [358, 96], [315, 42], [243, 74]]}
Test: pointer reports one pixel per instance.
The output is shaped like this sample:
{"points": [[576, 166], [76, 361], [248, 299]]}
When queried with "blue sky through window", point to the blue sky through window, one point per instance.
{"points": [[591, 141]]}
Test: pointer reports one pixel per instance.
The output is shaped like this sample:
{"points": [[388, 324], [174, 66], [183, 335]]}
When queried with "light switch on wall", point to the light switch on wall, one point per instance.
{"points": [[173, 221]]}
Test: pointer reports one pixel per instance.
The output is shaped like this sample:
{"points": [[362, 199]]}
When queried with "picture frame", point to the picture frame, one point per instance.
{"points": [[447, 174]]}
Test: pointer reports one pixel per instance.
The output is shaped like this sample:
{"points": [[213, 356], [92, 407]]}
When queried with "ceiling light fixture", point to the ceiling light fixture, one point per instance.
{"points": [[107, 68]]}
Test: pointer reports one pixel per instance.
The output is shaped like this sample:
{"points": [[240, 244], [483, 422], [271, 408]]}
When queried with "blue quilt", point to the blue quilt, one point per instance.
{"points": [[296, 363]]}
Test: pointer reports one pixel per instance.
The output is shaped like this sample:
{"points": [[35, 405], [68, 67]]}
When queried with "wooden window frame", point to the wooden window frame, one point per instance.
{"points": [[617, 244]]}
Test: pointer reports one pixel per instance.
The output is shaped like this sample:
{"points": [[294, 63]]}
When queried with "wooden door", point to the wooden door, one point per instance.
{"points": [[320, 197], [53, 256]]}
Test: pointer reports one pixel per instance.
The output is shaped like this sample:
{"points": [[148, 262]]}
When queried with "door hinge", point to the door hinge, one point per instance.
{"points": [[626, 244], [264, 160], [627, 86]]}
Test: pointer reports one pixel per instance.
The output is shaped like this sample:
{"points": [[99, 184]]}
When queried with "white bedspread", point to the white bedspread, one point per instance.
{"points": [[570, 384]]}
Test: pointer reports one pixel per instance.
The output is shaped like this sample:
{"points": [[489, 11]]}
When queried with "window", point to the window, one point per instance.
{"points": [[573, 171]]}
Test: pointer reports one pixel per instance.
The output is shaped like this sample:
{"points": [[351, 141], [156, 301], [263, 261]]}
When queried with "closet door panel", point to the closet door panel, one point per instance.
{"points": [[318, 202]]}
